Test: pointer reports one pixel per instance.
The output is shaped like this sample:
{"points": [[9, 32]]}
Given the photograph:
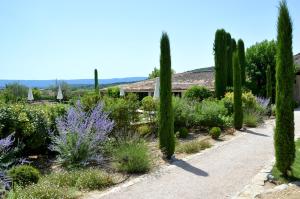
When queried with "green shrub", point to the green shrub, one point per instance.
{"points": [[252, 118], [132, 157], [24, 175], [197, 93], [90, 100], [183, 132], [193, 146], [15, 92], [42, 191], [183, 112], [273, 108], [93, 179], [113, 92], [144, 130], [215, 132], [149, 105]]}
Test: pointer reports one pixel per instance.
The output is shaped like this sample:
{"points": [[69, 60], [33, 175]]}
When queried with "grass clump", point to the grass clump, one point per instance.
{"points": [[193, 146], [252, 118], [295, 172], [132, 157]]}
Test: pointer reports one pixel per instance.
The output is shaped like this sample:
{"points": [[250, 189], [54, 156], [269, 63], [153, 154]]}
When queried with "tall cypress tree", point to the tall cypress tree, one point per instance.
{"points": [[96, 84], [166, 117], [220, 63], [242, 60], [284, 132], [237, 92], [229, 60], [233, 45], [269, 82]]}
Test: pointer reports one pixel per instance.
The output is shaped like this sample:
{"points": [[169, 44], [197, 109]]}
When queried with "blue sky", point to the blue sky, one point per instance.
{"points": [[67, 39]]}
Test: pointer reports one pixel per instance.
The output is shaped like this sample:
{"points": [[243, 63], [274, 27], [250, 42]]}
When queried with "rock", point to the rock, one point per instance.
{"points": [[281, 187]]}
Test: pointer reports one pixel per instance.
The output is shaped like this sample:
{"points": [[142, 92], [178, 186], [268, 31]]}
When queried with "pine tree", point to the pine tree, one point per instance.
{"points": [[284, 132], [166, 117], [96, 84], [269, 82], [237, 92], [242, 60], [220, 63], [229, 61]]}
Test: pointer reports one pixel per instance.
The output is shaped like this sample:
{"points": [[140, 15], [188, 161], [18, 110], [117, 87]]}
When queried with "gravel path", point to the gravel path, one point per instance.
{"points": [[219, 172]]}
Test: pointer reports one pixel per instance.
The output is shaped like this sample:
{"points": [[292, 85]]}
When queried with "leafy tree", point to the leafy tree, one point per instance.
{"points": [[15, 92], [113, 92], [284, 132], [166, 117], [237, 90], [269, 82], [229, 78], [197, 93], [220, 63], [96, 84], [155, 73], [37, 94], [258, 57], [242, 60]]}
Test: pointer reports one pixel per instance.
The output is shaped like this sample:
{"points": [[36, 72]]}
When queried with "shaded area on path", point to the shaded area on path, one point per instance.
{"points": [[188, 167]]}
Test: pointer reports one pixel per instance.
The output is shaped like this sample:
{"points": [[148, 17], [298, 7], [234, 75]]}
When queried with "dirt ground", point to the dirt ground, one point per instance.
{"points": [[293, 192]]}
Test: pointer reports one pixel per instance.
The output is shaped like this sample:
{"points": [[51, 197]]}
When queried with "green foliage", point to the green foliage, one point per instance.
{"points": [[15, 92], [149, 105], [183, 111], [197, 93], [24, 175], [37, 94], [144, 130], [155, 73], [229, 52], [269, 82], [284, 132], [258, 57], [242, 60], [295, 168], [252, 117], [166, 117], [220, 46], [89, 100], [237, 90], [183, 132], [215, 132], [113, 92], [193, 146], [132, 157], [96, 81], [123, 113]]}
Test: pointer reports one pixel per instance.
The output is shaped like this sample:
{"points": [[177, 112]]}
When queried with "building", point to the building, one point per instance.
{"points": [[180, 82], [297, 79]]}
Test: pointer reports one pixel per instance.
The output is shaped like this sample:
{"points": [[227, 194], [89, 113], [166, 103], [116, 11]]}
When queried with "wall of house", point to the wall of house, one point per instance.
{"points": [[297, 88]]}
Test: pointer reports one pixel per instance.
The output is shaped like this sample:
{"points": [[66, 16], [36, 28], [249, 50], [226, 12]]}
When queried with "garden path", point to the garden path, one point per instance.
{"points": [[216, 173]]}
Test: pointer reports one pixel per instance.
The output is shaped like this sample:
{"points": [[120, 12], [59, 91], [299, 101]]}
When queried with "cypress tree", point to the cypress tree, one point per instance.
{"points": [[237, 92], [284, 132], [229, 60], [242, 60], [166, 117], [96, 84], [233, 45], [269, 82], [220, 63]]}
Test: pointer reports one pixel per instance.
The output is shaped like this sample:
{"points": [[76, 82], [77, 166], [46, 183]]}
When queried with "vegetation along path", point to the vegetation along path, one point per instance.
{"points": [[219, 172]]}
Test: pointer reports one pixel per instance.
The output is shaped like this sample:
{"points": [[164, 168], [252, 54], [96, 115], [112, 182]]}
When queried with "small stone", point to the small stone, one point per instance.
{"points": [[281, 187]]}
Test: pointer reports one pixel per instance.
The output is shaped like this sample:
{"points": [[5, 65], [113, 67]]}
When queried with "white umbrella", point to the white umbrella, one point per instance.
{"points": [[59, 94], [156, 89], [122, 92], [30, 95]]}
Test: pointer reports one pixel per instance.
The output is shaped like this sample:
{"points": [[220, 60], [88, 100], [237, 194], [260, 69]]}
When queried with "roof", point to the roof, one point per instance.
{"points": [[180, 81]]}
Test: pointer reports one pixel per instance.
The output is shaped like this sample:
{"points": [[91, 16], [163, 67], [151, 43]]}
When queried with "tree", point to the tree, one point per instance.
{"points": [[269, 82], [15, 92], [229, 51], [220, 63], [284, 132], [258, 57], [242, 60], [237, 92], [166, 117], [96, 84], [155, 73], [233, 45]]}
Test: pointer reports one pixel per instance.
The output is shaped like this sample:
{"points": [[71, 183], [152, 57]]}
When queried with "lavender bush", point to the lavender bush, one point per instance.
{"points": [[81, 134], [5, 161]]}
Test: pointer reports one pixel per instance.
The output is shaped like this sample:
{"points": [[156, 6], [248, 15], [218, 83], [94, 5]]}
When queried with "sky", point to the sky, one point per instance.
{"points": [[68, 39]]}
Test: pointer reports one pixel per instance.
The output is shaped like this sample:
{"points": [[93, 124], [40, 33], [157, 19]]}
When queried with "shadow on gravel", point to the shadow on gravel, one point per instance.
{"points": [[190, 168], [254, 133]]}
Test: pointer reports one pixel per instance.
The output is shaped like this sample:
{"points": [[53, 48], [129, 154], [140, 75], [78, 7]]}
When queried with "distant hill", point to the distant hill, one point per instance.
{"points": [[73, 82]]}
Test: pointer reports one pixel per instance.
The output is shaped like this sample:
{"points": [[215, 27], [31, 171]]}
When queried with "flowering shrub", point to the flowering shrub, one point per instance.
{"points": [[81, 134]]}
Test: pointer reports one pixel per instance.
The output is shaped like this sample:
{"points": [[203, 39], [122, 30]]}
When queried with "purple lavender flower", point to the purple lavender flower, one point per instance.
{"points": [[81, 133], [264, 102], [5, 144]]}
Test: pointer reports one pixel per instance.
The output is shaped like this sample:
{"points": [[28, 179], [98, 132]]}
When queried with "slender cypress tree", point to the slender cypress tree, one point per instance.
{"points": [[269, 82], [229, 60], [220, 63], [96, 84], [166, 117], [242, 60], [284, 132], [233, 45], [237, 92]]}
